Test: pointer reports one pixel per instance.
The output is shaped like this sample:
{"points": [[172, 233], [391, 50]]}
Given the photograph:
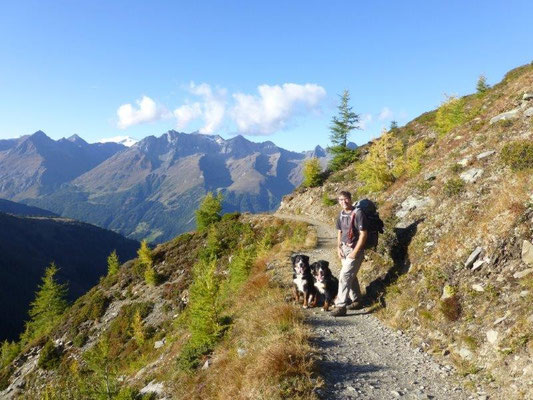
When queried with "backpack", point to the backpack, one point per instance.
{"points": [[375, 224]]}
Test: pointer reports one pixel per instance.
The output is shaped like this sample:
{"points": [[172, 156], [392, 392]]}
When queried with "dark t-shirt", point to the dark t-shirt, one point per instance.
{"points": [[343, 224]]}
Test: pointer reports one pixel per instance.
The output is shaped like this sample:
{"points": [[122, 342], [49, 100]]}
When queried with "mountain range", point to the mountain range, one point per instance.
{"points": [[150, 189]]}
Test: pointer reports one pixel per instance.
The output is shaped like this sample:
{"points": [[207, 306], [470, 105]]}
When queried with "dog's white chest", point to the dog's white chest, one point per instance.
{"points": [[321, 287], [300, 283]]}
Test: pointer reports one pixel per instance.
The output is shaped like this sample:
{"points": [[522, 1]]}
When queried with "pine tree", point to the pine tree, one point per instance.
{"points": [[312, 172], [49, 304], [103, 380], [112, 263], [344, 123], [150, 276], [482, 85], [209, 211], [137, 328], [145, 254]]}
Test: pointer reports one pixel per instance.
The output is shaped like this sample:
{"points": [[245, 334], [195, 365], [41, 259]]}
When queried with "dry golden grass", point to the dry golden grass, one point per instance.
{"points": [[266, 355]]}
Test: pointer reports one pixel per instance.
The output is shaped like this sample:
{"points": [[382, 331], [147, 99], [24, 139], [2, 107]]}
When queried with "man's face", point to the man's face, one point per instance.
{"points": [[345, 202]]}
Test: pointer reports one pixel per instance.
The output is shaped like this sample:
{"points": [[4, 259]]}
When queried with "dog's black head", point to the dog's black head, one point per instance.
{"points": [[300, 263], [321, 270]]}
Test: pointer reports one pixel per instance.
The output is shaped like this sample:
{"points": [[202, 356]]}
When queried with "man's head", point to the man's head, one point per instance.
{"points": [[345, 200]]}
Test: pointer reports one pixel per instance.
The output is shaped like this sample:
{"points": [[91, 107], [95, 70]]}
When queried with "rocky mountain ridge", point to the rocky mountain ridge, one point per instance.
{"points": [[151, 189]]}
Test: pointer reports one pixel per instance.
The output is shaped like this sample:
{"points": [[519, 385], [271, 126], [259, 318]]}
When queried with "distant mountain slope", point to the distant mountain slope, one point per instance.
{"points": [[29, 244], [11, 207], [151, 189], [34, 165]]}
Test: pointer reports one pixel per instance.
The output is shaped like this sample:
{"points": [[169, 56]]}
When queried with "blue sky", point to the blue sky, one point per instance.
{"points": [[267, 70]]}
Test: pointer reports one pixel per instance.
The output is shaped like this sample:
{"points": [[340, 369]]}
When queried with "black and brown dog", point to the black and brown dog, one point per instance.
{"points": [[303, 280], [325, 283]]}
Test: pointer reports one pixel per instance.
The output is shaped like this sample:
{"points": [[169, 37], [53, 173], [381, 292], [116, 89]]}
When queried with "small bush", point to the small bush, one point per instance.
{"points": [[312, 172], [518, 155], [8, 352], [50, 356], [454, 187], [450, 114], [382, 165], [451, 308], [327, 201]]}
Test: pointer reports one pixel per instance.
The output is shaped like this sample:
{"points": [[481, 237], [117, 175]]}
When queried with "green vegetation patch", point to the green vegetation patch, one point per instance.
{"points": [[518, 155]]}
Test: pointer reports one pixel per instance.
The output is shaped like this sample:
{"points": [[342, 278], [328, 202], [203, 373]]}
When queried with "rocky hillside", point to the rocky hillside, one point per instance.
{"points": [[454, 268], [207, 311], [151, 189], [29, 244]]}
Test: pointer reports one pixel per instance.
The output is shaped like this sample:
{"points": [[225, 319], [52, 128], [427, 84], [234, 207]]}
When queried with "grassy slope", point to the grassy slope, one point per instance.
{"points": [[260, 331], [424, 250]]}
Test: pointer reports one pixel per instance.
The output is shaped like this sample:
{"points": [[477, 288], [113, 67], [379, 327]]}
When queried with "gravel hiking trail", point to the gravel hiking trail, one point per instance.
{"points": [[361, 358]]}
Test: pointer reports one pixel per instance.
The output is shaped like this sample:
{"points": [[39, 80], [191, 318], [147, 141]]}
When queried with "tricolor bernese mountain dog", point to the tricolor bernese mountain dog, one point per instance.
{"points": [[325, 283], [303, 280]]}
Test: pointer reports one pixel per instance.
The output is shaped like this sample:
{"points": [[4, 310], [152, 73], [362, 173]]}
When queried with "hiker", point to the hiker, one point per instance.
{"points": [[352, 233]]}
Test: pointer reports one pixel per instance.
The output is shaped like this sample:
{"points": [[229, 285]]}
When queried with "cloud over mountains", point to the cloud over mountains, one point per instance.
{"points": [[267, 112]]}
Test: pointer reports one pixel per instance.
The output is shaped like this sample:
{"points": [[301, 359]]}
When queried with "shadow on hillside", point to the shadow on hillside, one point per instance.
{"points": [[401, 263]]}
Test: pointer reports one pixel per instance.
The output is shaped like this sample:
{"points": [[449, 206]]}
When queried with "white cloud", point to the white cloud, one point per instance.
{"points": [[364, 120], [211, 109], [187, 113], [274, 107], [147, 110], [385, 114]]}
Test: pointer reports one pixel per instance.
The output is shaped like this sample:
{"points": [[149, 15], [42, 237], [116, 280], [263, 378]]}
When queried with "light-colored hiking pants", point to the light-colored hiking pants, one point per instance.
{"points": [[349, 289]]}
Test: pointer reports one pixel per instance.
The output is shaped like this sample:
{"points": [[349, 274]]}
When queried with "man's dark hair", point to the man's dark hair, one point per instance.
{"points": [[345, 194]]}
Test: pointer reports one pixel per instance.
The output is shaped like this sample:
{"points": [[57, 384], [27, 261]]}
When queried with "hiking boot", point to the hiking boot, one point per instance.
{"points": [[339, 311], [356, 305]]}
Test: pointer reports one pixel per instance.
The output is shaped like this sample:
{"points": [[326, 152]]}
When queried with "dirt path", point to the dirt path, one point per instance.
{"points": [[361, 358]]}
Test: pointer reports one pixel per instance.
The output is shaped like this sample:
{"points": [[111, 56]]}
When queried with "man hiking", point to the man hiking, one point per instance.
{"points": [[352, 233]]}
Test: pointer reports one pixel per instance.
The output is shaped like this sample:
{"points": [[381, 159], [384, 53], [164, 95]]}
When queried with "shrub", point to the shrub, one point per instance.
{"points": [[450, 114], [382, 164], [312, 173], [518, 155], [327, 201], [50, 356], [8, 352], [209, 211], [454, 187], [451, 308]]}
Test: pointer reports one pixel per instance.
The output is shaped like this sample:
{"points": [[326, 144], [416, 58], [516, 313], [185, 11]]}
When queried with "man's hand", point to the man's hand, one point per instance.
{"points": [[339, 253]]}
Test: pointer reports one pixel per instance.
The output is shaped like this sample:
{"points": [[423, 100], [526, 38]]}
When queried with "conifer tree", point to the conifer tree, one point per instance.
{"points": [[209, 211], [112, 263], [150, 276], [312, 172], [49, 304], [145, 254], [344, 123], [137, 328], [104, 381], [482, 85]]}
